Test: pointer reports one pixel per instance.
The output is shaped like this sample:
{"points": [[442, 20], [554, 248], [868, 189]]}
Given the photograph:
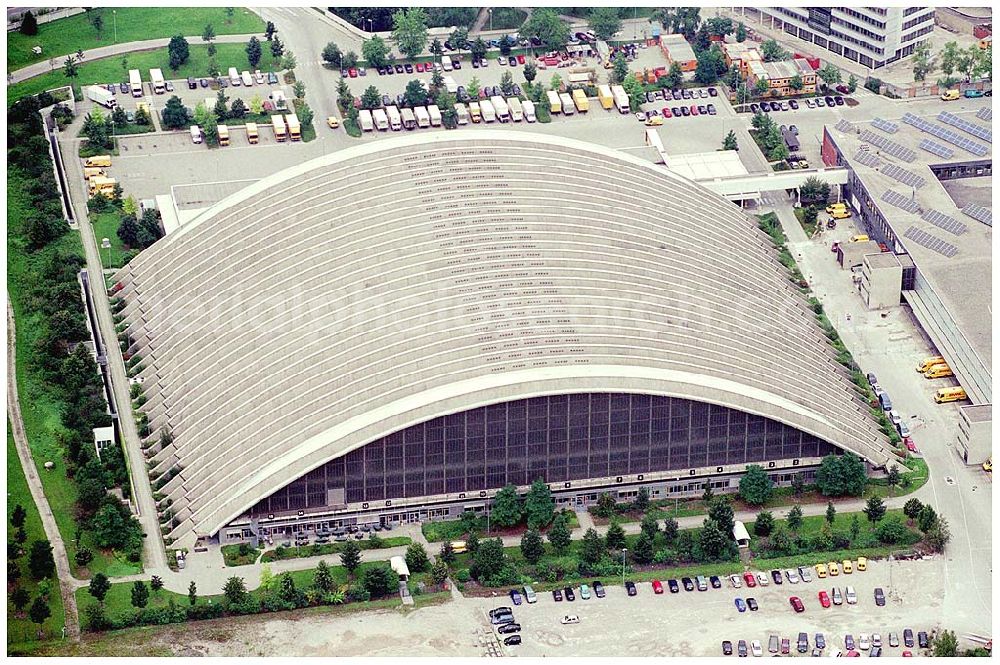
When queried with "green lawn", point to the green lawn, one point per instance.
{"points": [[914, 468], [808, 227], [106, 226], [20, 630], [506, 18], [40, 410], [281, 553], [67, 35], [438, 532], [109, 70], [231, 555]]}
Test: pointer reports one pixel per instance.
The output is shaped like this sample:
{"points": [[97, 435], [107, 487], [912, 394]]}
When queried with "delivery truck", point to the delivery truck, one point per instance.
{"points": [[278, 123], [223, 135], [294, 128], [253, 136], [365, 118], [529, 110], [555, 106], [101, 95], [500, 106], [195, 134], [450, 85], [435, 113], [409, 118], [101, 185], [580, 101], [567, 103], [91, 171], [380, 119], [246, 78], [159, 85], [516, 110], [395, 120], [475, 113], [621, 99], [423, 117], [103, 161], [462, 113], [604, 94], [489, 113], [135, 82], [446, 63], [234, 77]]}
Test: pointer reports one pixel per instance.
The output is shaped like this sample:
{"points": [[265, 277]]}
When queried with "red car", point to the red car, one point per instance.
{"points": [[520, 59], [796, 603], [657, 586], [749, 579], [824, 599], [353, 73], [419, 66], [907, 654], [666, 112], [853, 654], [912, 447], [694, 109]]}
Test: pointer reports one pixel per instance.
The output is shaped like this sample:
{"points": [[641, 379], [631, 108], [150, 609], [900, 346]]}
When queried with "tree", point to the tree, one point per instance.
{"points": [[19, 598], [674, 77], [912, 508], [376, 52], [643, 550], [40, 561], [256, 105], [371, 98], [927, 518], [70, 70], [323, 579], [472, 542], [459, 37], [605, 22], [380, 581], [619, 67], [615, 537], [178, 51], [447, 553], [436, 48], [488, 560], [415, 95], [795, 83], [649, 525], [539, 504], [532, 547], [254, 52], [350, 556], [344, 97], [507, 84], [299, 89], [891, 531], [208, 34], [814, 190], [99, 587], [593, 547], [894, 477], [238, 109], [635, 91], [39, 611], [140, 594], [559, 535], [764, 524], [840, 475], [439, 572], [555, 83], [670, 529], [855, 527], [852, 83], [831, 513], [730, 143], [946, 645], [277, 48], [192, 593], [755, 485], [269, 31], [923, 63], [416, 558], [29, 24], [97, 21], [13, 571], [155, 583], [829, 74], [710, 65], [235, 590], [772, 51], [409, 31], [221, 109], [741, 33], [544, 24], [715, 542], [794, 519], [19, 515], [938, 535], [506, 510], [641, 502], [288, 61], [702, 39], [332, 55], [478, 49], [721, 512], [720, 27], [606, 506], [230, 12], [506, 44]]}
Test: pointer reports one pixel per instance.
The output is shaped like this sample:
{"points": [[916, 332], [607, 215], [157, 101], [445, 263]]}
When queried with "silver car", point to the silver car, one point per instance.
{"points": [[852, 597], [735, 581], [792, 576], [838, 598], [805, 574]]}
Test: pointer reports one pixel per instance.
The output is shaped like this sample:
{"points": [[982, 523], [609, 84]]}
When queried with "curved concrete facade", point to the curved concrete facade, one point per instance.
{"points": [[401, 280]]}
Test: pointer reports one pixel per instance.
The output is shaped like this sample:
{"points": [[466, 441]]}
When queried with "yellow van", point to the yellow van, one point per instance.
{"points": [[833, 207], [458, 546], [860, 238], [927, 363], [821, 570], [939, 371], [862, 564], [98, 160], [848, 568], [840, 213], [90, 171], [834, 568], [949, 96], [954, 394]]}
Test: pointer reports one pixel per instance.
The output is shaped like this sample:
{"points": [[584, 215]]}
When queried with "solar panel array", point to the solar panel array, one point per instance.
{"points": [[868, 159], [979, 213], [943, 221], [843, 126], [930, 242], [900, 201], [885, 125], [936, 148], [978, 131], [985, 113], [891, 148], [906, 177], [948, 135]]}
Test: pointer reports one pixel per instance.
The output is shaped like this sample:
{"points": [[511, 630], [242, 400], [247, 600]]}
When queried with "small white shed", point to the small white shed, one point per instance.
{"points": [[741, 535], [398, 564]]}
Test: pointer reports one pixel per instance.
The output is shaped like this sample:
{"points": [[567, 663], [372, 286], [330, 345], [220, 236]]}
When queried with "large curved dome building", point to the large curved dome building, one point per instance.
{"points": [[397, 330]]}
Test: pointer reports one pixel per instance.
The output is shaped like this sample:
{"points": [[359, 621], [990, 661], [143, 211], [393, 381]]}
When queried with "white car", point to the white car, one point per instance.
{"points": [[904, 429], [570, 618], [756, 649], [792, 576], [805, 574], [762, 579], [864, 642], [852, 597], [641, 117], [811, 104], [735, 581], [895, 417], [838, 598], [876, 640]]}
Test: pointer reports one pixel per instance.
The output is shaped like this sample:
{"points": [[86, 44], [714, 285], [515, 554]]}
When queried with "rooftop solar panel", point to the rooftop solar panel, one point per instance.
{"points": [[949, 135], [985, 113], [978, 131], [936, 148], [979, 213], [868, 159], [843, 126], [890, 148], [930, 242], [902, 175], [885, 125], [943, 221], [900, 201]]}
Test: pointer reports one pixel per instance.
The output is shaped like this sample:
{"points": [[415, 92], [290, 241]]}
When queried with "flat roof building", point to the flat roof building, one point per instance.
{"points": [[677, 49]]}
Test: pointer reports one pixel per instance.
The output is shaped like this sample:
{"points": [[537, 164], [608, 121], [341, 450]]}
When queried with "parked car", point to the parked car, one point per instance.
{"points": [[762, 579], [876, 640], [829, 101], [843, 89], [694, 109], [711, 109], [456, 64], [850, 595], [864, 642], [893, 640], [735, 581], [685, 94], [849, 642], [773, 644], [741, 648], [796, 604], [674, 587], [515, 596], [727, 648], [630, 588], [272, 78], [824, 598], [712, 92], [512, 61], [715, 582], [599, 589], [557, 595], [792, 576], [756, 649], [862, 564], [838, 598], [819, 641], [399, 69], [749, 578], [701, 582], [786, 647], [879, 597], [755, 109], [752, 604], [908, 637], [657, 586], [584, 592], [570, 618], [688, 584], [508, 628], [512, 640], [794, 104], [741, 605], [810, 103], [570, 596], [876, 652], [805, 574], [839, 100], [776, 576], [775, 106], [702, 109]]}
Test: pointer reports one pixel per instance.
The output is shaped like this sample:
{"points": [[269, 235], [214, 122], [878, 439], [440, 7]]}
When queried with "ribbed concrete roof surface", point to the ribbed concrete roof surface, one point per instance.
{"points": [[402, 279]]}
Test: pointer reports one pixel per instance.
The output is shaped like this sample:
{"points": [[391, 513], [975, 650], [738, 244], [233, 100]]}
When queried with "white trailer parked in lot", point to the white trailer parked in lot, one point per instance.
{"points": [[246, 78], [450, 85], [423, 118], [529, 110], [234, 77], [135, 82], [516, 111], [101, 95], [365, 118], [380, 119], [395, 120], [159, 85], [621, 99], [500, 106], [568, 108], [489, 113], [435, 113], [463, 113]]}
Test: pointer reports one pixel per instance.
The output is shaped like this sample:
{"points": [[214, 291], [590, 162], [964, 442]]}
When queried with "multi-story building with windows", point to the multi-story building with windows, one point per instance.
{"points": [[872, 36]]}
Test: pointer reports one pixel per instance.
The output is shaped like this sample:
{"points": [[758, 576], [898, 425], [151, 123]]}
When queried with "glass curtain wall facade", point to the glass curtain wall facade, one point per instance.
{"points": [[557, 438]]}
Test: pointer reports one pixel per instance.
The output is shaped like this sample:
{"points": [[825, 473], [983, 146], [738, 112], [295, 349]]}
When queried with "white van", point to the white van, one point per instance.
{"points": [[196, 133], [446, 63]]}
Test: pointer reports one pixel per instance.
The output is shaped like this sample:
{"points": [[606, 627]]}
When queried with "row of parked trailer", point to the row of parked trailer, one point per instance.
{"points": [[488, 110]]}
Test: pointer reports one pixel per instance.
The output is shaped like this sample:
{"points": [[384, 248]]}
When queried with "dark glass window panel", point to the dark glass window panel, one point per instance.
{"points": [[538, 408], [620, 402]]}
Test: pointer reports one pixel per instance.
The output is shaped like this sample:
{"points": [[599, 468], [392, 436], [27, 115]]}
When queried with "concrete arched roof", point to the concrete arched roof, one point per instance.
{"points": [[403, 279]]}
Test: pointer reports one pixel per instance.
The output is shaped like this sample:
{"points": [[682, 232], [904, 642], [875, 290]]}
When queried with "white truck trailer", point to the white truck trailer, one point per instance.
{"points": [[463, 113], [621, 99], [395, 120], [159, 85], [516, 111], [435, 113], [529, 110], [410, 118], [101, 95], [135, 82], [246, 78], [365, 118], [489, 113], [450, 84], [381, 119], [567, 103], [500, 106], [234, 77]]}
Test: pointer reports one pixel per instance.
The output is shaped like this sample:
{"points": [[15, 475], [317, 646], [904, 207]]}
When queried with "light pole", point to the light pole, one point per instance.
{"points": [[623, 565], [114, 16], [371, 24], [490, 10]]}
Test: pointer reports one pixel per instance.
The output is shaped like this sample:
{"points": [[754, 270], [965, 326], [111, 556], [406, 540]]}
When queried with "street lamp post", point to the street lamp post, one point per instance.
{"points": [[490, 10], [106, 244], [623, 565], [114, 15]]}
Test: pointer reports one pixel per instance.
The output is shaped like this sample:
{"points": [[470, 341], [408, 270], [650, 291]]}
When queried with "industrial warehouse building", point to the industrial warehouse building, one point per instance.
{"points": [[395, 331]]}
